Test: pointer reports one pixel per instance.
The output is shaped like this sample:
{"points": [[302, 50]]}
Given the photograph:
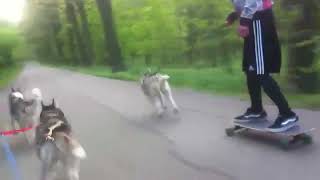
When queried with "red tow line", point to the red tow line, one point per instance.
{"points": [[16, 131]]}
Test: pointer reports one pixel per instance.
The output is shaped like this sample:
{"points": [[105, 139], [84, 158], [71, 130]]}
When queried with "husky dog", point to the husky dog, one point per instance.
{"points": [[156, 86], [24, 112], [56, 146]]}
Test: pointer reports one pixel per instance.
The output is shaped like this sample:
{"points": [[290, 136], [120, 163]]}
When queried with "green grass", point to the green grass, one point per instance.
{"points": [[309, 101], [203, 79], [8, 74], [210, 80]]}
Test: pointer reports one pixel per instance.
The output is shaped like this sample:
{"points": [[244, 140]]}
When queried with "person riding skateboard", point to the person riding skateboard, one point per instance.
{"points": [[261, 58]]}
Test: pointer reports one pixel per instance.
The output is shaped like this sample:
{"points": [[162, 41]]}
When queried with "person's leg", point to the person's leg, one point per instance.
{"points": [[273, 90], [254, 89], [287, 118]]}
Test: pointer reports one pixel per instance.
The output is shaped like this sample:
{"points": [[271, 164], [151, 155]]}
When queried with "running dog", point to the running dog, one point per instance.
{"points": [[56, 146], [156, 86], [24, 112]]}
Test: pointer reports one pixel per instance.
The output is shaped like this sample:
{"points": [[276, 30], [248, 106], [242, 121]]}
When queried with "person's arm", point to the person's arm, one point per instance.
{"points": [[232, 17]]}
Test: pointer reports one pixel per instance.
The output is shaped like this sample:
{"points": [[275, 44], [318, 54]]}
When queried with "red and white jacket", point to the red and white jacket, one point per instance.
{"points": [[248, 8]]}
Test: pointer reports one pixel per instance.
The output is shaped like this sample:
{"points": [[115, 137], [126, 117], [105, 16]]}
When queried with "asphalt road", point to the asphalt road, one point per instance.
{"points": [[125, 141]]}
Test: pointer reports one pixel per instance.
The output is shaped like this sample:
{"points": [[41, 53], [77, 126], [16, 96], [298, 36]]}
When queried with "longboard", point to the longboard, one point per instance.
{"points": [[292, 136]]}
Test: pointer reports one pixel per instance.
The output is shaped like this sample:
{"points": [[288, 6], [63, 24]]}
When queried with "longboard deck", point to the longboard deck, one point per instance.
{"points": [[261, 125], [292, 136]]}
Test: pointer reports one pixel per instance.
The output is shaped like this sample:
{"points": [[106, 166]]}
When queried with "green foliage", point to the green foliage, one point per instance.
{"points": [[303, 31], [41, 26], [171, 34], [204, 31], [149, 28], [9, 40], [159, 32], [8, 74], [13, 50], [167, 31], [96, 31]]}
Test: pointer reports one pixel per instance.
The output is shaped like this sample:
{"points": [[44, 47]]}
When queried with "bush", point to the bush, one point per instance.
{"points": [[9, 40], [2, 61]]}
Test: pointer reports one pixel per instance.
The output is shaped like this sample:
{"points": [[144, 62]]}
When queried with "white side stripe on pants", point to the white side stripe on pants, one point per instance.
{"points": [[255, 47], [261, 47], [258, 47]]}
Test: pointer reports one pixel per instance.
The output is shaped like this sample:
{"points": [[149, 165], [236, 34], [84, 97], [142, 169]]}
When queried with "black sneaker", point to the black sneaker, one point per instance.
{"points": [[283, 123], [250, 115]]}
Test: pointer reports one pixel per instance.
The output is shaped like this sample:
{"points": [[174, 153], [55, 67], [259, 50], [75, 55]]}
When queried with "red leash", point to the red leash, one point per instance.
{"points": [[15, 131]]}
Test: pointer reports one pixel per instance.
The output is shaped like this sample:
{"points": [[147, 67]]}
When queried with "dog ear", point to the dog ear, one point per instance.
{"points": [[12, 89], [152, 73], [53, 103], [148, 72], [143, 73]]}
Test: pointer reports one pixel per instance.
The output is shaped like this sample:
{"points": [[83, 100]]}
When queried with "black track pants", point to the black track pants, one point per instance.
{"points": [[271, 88]]}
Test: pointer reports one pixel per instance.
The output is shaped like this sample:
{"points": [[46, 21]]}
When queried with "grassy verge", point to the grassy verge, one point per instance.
{"points": [[8, 74], [310, 101], [211, 80], [205, 79]]}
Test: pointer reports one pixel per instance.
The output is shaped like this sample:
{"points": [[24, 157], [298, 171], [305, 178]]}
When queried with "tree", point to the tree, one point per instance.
{"points": [[202, 26], [9, 40], [304, 29], [41, 26], [149, 31], [115, 55], [71, 16], [86, 32]]}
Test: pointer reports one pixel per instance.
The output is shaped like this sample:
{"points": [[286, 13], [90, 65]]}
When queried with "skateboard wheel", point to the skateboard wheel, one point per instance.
{"points": [[307, 139], [230, 132], [285, 144], [303, 138]]}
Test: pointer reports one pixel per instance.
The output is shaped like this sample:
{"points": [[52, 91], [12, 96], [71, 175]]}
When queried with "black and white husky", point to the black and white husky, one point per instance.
{"points": [[59, 152], [24, 112], [156, 86]]}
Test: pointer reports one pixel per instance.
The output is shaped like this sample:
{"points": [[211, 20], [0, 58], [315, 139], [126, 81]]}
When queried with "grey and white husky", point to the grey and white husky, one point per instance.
{"points": [[24, 112], [59, 152], [156, 86]]}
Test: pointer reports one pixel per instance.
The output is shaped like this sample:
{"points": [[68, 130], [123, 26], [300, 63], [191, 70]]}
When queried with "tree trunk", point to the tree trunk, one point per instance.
{"points": [[59, 48], [148, 59], [302, 55], [56, 29], [112, 42], [72, 46], [86, 32], [53, 46], [72, 19]]}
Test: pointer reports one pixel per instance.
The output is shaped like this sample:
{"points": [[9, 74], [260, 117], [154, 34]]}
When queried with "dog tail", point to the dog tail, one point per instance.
{"points": [[164, 77], [36, 92], [68, 144]]}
